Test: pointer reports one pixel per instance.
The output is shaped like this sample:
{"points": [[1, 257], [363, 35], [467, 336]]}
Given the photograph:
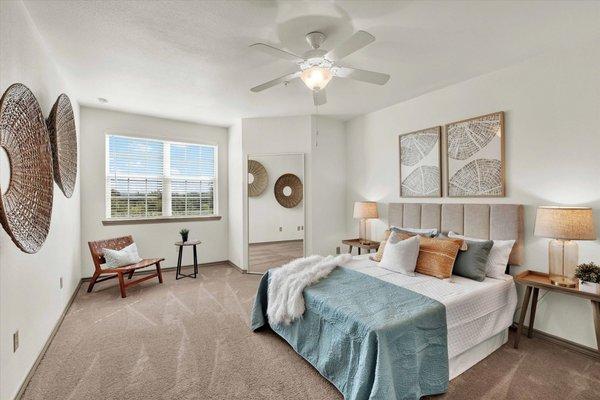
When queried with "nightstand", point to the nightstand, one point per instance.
{"points": [[367, 245], [534, 281]]}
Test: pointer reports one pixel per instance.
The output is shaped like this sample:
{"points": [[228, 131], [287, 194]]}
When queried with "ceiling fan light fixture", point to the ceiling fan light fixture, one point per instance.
{"points": [[316, 78]]}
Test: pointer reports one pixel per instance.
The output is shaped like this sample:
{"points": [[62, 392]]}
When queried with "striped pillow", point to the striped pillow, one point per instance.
{"points": [[437, 256]]}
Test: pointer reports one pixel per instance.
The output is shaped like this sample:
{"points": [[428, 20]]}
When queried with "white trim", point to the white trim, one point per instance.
{"points": [[165, 177], [247, 203]]}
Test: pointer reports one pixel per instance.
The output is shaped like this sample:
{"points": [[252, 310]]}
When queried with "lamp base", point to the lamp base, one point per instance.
{"points": [[563, 281]]}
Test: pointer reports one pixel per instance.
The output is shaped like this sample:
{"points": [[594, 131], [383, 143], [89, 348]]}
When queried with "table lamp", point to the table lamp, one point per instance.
{"points": [[364, 210], [564, 225]]}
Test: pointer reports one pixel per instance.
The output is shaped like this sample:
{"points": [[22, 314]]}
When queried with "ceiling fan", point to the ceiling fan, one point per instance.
{"points": [[316, 67]]}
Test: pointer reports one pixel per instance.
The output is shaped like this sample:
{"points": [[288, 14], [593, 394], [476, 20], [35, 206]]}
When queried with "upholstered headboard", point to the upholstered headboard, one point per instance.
{"points": [[485, 221]]}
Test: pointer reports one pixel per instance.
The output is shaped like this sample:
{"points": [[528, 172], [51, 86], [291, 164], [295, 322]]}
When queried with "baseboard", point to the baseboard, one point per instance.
{"points": [[164, 269], [278, 241], [576, 347], [240, 269], [47, 344]]}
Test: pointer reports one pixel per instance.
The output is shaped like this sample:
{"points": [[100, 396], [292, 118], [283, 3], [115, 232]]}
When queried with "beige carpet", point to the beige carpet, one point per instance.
{"points": [[189, 339]]}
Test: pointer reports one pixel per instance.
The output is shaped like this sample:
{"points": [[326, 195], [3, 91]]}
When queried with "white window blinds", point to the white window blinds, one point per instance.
{"points": [[152, 178]]}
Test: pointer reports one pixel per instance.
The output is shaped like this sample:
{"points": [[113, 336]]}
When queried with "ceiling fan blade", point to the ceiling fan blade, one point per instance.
{"points": [[355, 42], [319, 97], [275, 52], [361, 75], [276, 81]]}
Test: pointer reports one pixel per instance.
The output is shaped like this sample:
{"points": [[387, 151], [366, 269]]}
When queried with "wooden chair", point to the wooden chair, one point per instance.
{"points": [[118, 244]]}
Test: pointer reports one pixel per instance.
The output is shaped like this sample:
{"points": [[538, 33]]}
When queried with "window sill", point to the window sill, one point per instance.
{"points": [[156, 220]]}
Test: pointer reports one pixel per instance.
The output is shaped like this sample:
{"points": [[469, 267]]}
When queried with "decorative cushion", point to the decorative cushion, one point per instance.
{"points": [[119, 258], [417, 231], [377, 256], [401, 255], [436, 256], [472, 263], [499, 255]]}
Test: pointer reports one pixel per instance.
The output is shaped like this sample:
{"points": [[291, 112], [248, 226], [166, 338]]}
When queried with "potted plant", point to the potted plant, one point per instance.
{"points": [[184, 234], [589, 277]]}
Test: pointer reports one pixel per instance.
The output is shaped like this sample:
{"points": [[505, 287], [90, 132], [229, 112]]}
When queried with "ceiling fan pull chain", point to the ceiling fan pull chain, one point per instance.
{"points": [[317, 126]]}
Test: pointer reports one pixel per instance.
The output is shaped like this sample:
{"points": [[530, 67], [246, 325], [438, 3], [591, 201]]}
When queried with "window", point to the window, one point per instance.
{"points": [[148, 178]]}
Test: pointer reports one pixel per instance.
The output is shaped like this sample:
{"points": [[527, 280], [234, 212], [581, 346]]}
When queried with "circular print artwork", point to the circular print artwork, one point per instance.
{"points": [[63, 139], [26, 206], [257, 178], [288, 190]]}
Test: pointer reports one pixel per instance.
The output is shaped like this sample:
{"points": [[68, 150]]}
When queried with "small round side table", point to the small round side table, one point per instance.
{"points": [[181, 245]]}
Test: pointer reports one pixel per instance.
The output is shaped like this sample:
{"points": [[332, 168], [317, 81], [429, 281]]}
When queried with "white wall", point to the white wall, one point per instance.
{"points": [[266, 215], [552, 110], [328, 190], [236, 190], [275, 136], [31, 300], [324, 172], [153, 240]]}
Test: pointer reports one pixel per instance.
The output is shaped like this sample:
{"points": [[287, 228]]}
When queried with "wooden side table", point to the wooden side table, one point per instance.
{"points": [[181, 245], [534, 281], [368, 246]]}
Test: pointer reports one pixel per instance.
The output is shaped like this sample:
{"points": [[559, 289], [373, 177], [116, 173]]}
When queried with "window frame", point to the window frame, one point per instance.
{"points": [[109, 220]]}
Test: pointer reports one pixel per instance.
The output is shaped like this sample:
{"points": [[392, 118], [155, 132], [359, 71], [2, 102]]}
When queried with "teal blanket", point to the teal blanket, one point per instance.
{"points": [[371, 339]]}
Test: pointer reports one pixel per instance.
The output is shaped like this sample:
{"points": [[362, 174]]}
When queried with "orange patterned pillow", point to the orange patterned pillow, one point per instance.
{"points": [[436, 256]]}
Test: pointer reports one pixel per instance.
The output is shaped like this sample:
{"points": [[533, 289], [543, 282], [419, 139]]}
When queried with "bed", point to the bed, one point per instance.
{"points": [[473, 321]]}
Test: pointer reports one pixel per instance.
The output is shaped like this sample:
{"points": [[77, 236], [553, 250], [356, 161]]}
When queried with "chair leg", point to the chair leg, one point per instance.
{"points": [[159, 272], [122, 284], [92, 282], [130, 274]]}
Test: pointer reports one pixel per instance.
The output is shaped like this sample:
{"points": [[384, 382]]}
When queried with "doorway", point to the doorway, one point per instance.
{"points": [[276, 212]]}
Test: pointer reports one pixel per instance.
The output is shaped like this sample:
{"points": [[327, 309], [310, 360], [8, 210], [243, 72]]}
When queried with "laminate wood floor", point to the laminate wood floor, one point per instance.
{"points": [[263, 256]]}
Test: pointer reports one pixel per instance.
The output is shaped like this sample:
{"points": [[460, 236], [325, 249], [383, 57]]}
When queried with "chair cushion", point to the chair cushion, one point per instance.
{"points": [[119, 258]]}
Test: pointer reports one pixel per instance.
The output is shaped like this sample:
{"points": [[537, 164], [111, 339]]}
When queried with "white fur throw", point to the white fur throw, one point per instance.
{"points": [[286, 302]]}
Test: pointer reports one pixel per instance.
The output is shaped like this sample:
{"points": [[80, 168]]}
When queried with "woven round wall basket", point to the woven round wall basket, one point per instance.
{"points": [[294, 197], [26, 205], [258, 182], [63, 139]]}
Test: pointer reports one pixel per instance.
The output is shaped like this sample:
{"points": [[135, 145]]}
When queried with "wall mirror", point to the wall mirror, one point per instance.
{"points": [[276, 212]]}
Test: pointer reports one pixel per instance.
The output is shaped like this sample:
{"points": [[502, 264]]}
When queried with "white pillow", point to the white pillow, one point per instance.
{"points": [[401, 255], [119, 258], [498, 258], [418, 231]]}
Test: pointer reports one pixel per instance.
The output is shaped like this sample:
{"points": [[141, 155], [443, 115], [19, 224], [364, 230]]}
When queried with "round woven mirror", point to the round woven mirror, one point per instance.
{"points": [[26, 206], [288, 190], [257, 178], [63, 139]]}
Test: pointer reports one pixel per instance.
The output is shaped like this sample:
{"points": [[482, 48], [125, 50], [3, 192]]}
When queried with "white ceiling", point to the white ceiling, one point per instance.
{"points": [[191, 61]]}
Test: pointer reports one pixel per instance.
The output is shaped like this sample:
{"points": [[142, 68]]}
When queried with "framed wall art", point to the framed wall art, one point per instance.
{"points": [[475, 157], [420, 163]]}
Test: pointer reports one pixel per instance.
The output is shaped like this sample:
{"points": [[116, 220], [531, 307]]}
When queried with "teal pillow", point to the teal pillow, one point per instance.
{"points": [[471, 263]]}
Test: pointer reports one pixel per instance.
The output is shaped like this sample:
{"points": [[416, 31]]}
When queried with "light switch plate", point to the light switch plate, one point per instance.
{"points": [[15, 341]]}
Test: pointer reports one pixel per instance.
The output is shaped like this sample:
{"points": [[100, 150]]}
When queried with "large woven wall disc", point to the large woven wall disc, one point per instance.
{"points": [[63, 139], [294, 197], [26, 207], [257, 183]]}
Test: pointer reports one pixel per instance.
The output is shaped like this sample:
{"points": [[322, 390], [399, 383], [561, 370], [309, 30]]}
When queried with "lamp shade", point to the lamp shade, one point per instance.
{"points": [[567, 223], [365, 210]]}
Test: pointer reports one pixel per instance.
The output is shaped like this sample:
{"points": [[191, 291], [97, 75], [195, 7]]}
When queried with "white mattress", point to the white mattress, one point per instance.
{"points": [[475, 311]]}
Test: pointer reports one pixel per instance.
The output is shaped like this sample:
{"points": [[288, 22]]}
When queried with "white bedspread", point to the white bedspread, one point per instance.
{"points": [[475, 311]]}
